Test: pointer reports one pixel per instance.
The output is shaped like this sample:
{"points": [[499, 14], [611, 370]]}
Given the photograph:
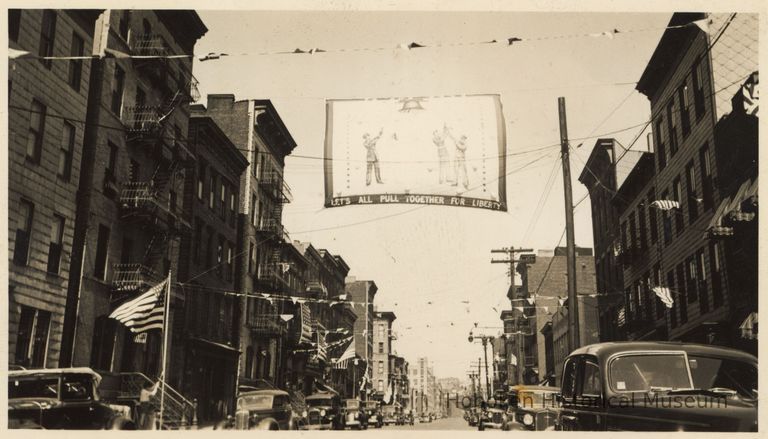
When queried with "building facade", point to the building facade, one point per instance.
{"points": [[204, 363], [362, 293], [382, 350], [695, 82], [47, 108]]}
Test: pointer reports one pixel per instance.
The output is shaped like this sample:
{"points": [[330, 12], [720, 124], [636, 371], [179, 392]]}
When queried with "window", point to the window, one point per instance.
{"points": [[23, 233], [230, 261], [47, 36], [232, 207], [381, 367], [14, 22], [715, 274], [685, 118], [102, 256], [197, 243], [652, 217], [660, 148], [672, 129], [381, 385], [702, 282], [692, 281], [677, 195], [65, 151], [569, 380], [104, 333], [200, 181], [36, 131], [673, 310], [118, 86], [75, 73], [110, 173], [697, 74], [126, 251], [693, 201], [220, 257], [223, 198], [251, 256], [32, 337], [212, 191], [54, 248], [253, 210], [706, 177], [682, 296], [633, 244], [591, 381], [381, 347], [125, 24], [642, 226], [135, 172]]}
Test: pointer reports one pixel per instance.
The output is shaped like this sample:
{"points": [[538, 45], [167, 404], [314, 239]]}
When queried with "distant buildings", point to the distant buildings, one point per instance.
{"points": [[687, 211], [426, 395]]}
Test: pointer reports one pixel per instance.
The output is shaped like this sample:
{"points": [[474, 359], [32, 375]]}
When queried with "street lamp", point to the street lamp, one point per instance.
{"points": [[484, 339]]}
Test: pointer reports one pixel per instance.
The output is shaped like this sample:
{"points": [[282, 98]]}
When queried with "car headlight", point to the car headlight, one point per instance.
{"points": [[304, 414], [528, 419], [322, 412]]}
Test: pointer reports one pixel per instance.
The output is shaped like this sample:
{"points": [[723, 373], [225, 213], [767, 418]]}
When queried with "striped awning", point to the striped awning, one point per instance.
{"points": [[741, 206]]}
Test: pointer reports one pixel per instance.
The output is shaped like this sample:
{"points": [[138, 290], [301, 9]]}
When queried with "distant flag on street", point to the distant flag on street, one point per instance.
{"points": [[665, 295], [666, 204], [348, 354], [144, 312]]}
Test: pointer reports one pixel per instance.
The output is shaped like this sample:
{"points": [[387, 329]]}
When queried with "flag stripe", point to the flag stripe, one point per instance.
{"points": [[144, 312], [138, 304]]}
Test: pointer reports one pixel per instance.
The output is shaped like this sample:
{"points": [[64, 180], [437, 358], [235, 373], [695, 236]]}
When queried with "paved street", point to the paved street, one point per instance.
{"points": [[455, 423]]}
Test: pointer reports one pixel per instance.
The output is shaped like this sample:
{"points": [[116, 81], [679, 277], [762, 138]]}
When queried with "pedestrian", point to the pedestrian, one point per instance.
{"points": [[372, 158], [146, 408]]}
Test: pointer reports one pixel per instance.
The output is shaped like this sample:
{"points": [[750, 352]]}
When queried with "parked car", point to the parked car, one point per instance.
{"points": [[353, 414], [471, 416], [373, 414], [265, 409], [62, 399], [323, 412], [494, 415], [534, 407], [389, 415], [659, 386]]}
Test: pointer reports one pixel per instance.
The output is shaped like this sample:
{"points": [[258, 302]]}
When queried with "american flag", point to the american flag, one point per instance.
{"points": [[665, 295], [144, 312], [666, 204]]}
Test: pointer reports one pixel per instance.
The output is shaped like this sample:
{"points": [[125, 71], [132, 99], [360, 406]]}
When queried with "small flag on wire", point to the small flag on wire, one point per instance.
{"points": [[666, 204], [665, 295], [144, 312]]}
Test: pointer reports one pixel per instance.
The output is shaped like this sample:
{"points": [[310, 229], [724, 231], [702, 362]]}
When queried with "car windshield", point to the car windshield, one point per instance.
{"points": [[639, 373], [255, 402], [76, 388], [709, 373], [33, 388], [352, 404], [319, 402]]}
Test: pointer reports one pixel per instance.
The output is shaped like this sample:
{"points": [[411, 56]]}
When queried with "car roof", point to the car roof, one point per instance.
{"points": [[321, 395], [60, 371], [270, 392], [604, 350]]}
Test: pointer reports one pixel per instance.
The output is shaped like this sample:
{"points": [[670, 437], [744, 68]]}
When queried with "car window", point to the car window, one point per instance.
{"points": [[76, 388], [708, 373], [250, 402], [33, 388], [641, 372], [590, 385], [569, 378]]}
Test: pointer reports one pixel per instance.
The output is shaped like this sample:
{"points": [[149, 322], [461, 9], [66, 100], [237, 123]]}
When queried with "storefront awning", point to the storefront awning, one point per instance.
{"points": [[741, 206], [749, 327], [217, 348]]}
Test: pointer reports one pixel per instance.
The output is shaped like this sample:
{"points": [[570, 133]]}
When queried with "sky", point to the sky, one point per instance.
{"points": [[432, 264]]}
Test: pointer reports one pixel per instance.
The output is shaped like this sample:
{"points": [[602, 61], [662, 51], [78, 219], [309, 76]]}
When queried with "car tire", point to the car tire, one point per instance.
{"points": [[480, 427]]}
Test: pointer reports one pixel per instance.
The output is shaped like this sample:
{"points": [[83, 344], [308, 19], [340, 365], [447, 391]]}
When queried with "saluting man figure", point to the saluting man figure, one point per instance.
{"points": [[373, 159], [459, 160]]}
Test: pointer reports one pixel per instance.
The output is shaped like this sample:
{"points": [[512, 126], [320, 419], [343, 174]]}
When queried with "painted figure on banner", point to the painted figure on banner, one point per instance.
{"points": [[442, 153], [459, 160], [371, 157]]}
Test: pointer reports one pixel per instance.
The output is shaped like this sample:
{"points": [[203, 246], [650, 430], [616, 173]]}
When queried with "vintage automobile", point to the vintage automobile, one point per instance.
{"points": [[471, 416], [389, 414], [62, 399], [534, 407], [373, 414], [264, 409], [323, 412], [353, 414], [494, 415], [658, 386]]}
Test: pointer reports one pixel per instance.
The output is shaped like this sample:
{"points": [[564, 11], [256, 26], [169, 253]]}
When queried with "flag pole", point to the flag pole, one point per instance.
{"points": [[166, 310]]}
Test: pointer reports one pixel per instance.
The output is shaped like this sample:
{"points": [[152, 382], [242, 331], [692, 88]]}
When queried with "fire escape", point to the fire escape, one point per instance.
{"points": [[149, 204], [271, 231]]}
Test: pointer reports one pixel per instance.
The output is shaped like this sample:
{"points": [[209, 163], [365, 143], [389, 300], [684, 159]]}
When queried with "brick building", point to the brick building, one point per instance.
{"points": [[382, 349], [691, 79], [257, 130], [204, 362], [47, 109], [362, 294]]}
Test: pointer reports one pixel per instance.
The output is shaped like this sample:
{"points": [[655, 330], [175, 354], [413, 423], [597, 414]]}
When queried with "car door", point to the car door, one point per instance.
{"points": [[589, 395], [282, 410], [568, 418]]}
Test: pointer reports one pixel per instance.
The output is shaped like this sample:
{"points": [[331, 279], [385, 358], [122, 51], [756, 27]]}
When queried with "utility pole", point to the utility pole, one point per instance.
{"points": [[573, 305], [510, 251], [87, 169]]}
